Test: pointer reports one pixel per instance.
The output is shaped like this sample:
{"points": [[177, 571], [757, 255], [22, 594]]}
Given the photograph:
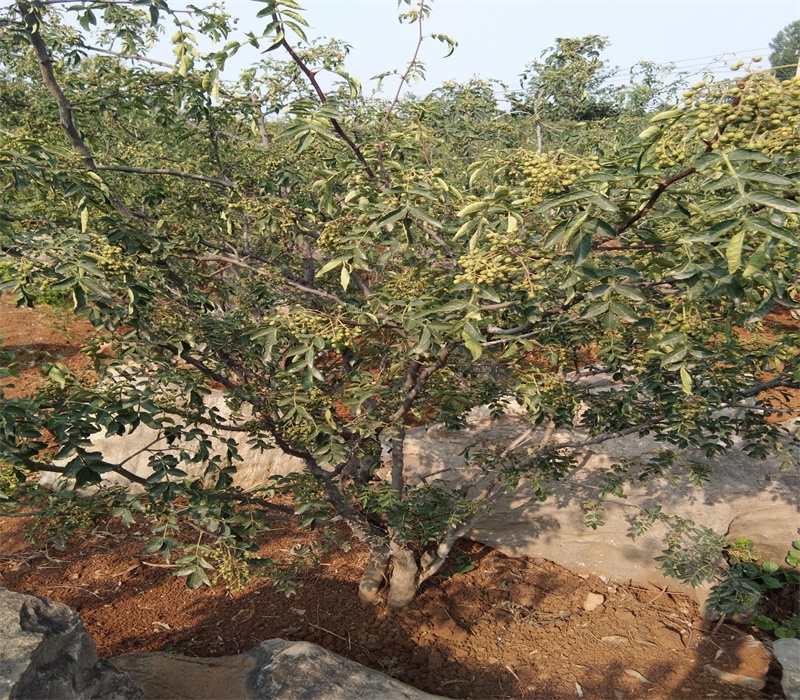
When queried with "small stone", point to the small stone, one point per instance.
{"points": [[668, 638], [635, 674], [735, 679], [593, 601], [614, 640], [787, 652]]}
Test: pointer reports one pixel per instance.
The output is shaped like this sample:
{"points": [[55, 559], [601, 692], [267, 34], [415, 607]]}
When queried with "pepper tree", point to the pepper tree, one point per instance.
{"points": [[340, 271]]}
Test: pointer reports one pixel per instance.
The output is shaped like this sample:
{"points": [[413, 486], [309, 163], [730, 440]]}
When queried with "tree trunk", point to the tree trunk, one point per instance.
{"points": [[403, 583], [374, 576], [395, 567]]}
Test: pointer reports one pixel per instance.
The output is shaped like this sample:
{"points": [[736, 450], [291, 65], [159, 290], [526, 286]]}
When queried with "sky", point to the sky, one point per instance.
{"points": [[497, 38]]}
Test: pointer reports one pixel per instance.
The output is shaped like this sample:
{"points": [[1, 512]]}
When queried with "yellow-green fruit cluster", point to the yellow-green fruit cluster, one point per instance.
{"points": [[301, 326], [411, 283], [330, 239], [496, 263], [111, 259], [550, 173], [756, 111]]}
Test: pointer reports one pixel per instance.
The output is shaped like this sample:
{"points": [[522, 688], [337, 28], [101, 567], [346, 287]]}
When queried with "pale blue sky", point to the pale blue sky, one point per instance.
{"points": [[497, 38]]}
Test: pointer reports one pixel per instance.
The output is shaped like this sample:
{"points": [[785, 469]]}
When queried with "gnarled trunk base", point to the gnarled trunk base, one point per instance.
{"points": [[374, 576], [403, 580]]}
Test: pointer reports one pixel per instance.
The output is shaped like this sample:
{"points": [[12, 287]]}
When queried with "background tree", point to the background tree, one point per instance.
{"points": [[785, 54], [343, 272], [567, 84]]}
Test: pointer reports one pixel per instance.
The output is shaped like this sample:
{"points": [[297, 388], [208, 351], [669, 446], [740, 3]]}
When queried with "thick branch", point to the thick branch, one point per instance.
{"points": [[651, 203], [65, 117], [33, 465], [419, 385], [165, 171], [262, 126], [238, 263]]}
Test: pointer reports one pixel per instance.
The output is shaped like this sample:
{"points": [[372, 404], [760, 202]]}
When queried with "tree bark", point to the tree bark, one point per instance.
{"points": [[403, 579], [374, 576]]}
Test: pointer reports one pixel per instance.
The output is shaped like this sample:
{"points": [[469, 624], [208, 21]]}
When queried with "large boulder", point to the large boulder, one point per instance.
{"points": [[46, 652], [744, 497], [274, 670], [133, 450]]}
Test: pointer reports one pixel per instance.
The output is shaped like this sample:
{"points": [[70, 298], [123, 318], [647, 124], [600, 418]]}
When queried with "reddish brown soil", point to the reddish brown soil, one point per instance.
{"points": [[37, 336], [508, 628]]}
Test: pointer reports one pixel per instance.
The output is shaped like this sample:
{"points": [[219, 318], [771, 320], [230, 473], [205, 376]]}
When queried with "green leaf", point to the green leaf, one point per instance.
{"points": [[563, 200], [770, 200], [632, 293], [740, 154], [622, 311], [593, 310], [733, 203], [330, 265], [473, 340], [766, 226], [390, 218], [196, 579], [686, 381], [673, 357], [473, 208], [766, 178], [418, 213], [756, 262], [465, 228], [344, 277], [650, 131], [771, 582], [582, 248], [662, 116], [424, 342], [712, 234], [733, 253]]}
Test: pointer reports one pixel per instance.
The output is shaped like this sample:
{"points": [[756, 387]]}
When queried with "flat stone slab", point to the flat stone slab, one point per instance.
{"points": [[274, 670]]}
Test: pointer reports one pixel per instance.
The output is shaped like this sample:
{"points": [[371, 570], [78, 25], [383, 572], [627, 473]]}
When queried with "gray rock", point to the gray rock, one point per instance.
{"points": [[46, 652], [135, 449], [274, 670], [745, 497], [787, 652]]}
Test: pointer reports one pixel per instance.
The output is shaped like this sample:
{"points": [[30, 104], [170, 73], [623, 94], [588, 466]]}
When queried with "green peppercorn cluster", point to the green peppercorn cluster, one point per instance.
{"points": [[330, 238], [301, 326], [111, 259], [756, 112], [551, 173], [495, 263], [410, 283]]}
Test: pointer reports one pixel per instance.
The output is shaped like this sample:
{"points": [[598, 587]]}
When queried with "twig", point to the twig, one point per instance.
{"points": [[80, 588]]}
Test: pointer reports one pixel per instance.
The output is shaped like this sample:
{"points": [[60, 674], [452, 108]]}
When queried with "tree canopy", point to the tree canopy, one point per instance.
{"points": [[785, 54], [345, 267]]}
